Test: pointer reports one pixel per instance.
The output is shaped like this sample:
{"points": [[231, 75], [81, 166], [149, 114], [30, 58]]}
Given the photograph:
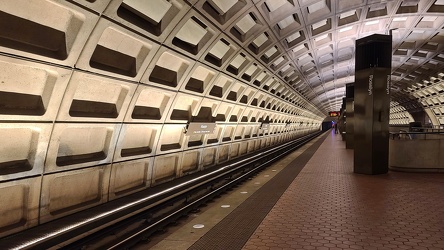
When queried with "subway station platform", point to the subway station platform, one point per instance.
{"points": [[312, 200]]}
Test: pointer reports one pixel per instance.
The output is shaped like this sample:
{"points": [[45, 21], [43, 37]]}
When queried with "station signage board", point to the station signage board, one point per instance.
{"points": [[334, 113], [200, 128], [265, 126]]}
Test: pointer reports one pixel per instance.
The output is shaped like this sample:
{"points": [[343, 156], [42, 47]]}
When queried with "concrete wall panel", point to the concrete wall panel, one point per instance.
{"points": [[172, 139], [58, 36], [154, 18], [168, 69], [199, 79], [184, 108], [129, 177], [234, 150], [243, 148], [216, 136], [150, 105], [166, 168], [191, 161], [29, 90], [209, 157], [77, 145], [224, 112], [94, 98], [64, 195], [137, 141], [223, 153], [192, 35], [114, 51], [23, 149], [20, 205]]}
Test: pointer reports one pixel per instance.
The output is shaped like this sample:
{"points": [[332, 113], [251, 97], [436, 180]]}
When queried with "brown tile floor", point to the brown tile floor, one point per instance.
{"points": [[329, 207]]}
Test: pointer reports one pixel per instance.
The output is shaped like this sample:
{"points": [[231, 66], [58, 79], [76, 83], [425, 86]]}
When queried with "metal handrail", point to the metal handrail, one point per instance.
{"points": [[403, 134]]}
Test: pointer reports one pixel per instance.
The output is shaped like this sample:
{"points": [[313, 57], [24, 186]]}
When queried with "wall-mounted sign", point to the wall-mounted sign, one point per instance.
{"points": [[264, 126], [200, 128], [334, 113]]}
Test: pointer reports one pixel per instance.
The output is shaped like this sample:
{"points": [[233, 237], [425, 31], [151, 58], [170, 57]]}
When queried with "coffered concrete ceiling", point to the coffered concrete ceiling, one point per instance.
{"points": [[310, 44]]}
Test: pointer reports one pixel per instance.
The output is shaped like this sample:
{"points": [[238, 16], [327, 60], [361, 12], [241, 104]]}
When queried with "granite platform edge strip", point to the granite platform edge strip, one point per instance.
{"points": [[236, 228]]}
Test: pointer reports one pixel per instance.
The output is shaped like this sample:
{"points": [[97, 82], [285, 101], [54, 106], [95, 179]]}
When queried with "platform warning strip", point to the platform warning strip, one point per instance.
{"points": [[235, 229]]}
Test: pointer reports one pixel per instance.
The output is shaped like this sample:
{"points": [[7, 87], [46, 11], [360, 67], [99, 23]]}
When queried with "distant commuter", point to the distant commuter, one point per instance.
{"points": [[336, 127]]}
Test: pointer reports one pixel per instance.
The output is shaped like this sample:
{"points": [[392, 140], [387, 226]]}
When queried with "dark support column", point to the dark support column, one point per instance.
{"points": [[372, 104], [342, 120], [349, 107]]}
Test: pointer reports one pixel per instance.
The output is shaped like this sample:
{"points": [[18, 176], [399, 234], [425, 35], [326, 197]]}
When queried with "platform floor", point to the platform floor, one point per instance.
{"points": [[324, 206]]}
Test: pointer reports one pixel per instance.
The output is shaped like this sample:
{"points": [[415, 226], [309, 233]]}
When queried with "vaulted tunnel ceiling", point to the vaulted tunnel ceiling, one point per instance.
{"points": [[311, 42]]}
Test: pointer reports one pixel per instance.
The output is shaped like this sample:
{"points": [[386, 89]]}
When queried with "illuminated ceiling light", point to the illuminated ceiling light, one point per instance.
{"points": [[299, 47], [319, 38], [429, 18], [293, 37], [303, 57], [409, 2], [372, 22], [346, 29], [377, 7], [319, 24], [347, 14], [399, 19]]}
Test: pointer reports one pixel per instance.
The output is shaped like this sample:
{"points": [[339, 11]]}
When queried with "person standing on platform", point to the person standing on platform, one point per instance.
{"points": [[336, 127]]}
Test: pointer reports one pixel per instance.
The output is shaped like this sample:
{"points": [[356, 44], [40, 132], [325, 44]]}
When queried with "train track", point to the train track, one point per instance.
{"points": [[127, 221]]}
